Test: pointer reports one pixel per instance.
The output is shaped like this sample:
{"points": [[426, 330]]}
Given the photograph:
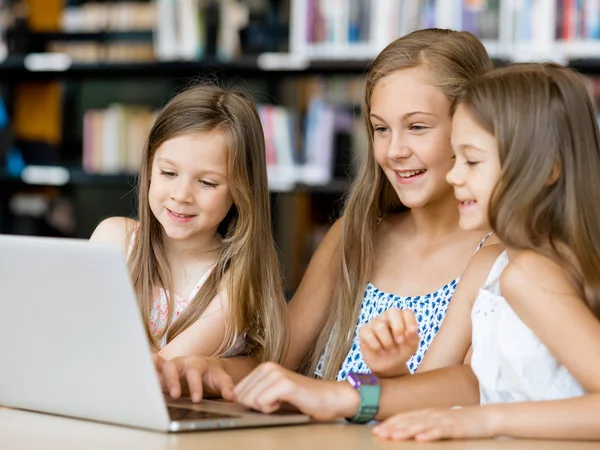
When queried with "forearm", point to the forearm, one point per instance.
{"points": [[449, 386], [574, 418]]}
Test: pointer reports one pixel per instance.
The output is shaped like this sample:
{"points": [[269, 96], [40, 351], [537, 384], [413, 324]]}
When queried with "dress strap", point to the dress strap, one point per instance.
{"points": [[202, 281], [483, 241]]}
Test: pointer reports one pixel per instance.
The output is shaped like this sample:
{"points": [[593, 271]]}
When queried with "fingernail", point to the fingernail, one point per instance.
{"points": [[173, 392], [195, 397]]}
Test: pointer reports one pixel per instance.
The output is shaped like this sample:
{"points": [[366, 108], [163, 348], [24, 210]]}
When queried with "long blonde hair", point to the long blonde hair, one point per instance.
{"points": [[247, 263], [549, 147], [452, 59]]}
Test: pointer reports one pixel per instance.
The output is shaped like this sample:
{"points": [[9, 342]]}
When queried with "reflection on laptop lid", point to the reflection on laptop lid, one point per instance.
{"points": [[74, 342]]}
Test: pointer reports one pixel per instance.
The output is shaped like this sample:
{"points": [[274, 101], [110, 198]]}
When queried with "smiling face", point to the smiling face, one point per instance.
{"points": [[189, 190], [411, 126], [476, 169]]}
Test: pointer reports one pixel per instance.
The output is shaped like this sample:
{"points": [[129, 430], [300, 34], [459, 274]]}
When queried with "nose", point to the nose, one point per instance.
{"points": [[454, 176], [398, 149], [182, 191]]}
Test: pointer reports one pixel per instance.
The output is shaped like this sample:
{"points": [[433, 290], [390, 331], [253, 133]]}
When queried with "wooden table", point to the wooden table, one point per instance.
{"points": [[21, 430]]}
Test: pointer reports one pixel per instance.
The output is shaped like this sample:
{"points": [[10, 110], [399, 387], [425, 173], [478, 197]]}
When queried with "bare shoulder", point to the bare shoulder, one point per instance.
{"points": [[491, 241], [115, 231], [476, 273], [329, 245], [530, 274], [334, 232], [481, 263]]}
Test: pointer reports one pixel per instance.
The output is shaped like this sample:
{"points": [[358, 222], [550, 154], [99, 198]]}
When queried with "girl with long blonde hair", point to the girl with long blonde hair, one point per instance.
{"points": [[202, 256]]}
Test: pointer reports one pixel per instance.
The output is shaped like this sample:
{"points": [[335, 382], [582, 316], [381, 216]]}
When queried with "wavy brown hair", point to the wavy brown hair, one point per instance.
{"points": [[452, 58], [247, 264], [549, 147]]}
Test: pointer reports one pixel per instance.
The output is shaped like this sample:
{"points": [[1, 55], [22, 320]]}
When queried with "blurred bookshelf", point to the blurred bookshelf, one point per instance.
{"points": [[76, 73]]}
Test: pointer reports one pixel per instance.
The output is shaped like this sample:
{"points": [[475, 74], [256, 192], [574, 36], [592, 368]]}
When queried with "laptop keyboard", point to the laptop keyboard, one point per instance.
{"points": [[178, 414]]}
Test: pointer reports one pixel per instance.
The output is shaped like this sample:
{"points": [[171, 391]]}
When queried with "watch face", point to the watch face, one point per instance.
{"points": [[362, 379]]}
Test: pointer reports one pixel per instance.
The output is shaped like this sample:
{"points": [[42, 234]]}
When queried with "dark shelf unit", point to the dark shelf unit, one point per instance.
{"points": [[14, 68], [78, 177]]}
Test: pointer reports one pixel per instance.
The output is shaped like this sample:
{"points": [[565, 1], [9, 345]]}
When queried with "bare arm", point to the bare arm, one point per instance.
{"points": [[203, 337], [309, 305], [114, 231], [450, 347], [574, 418], [445, 387]]}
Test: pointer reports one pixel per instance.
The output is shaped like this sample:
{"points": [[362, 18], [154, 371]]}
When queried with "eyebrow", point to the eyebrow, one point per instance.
{"points": [[204, 172], [465, 147], [405, 116]]}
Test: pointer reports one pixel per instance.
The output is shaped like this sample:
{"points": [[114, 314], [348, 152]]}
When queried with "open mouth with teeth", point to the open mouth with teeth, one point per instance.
{"points": [[410, 173]]}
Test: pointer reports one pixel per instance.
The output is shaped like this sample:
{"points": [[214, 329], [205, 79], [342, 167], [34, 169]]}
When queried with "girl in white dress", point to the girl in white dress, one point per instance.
{"points": [[527, 151]]}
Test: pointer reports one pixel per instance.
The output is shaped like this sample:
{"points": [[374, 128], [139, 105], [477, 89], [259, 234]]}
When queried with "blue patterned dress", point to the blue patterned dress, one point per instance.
{"points": [[429, 309]]}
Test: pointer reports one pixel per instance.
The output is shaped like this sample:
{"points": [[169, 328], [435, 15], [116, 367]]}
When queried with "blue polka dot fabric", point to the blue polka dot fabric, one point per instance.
{"points": [[429, 310]]}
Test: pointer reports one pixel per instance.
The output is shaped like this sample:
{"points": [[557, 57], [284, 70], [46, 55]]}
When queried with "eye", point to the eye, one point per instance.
{"points": [[471, 163], [168, 174], [418, 128], [380, 129], [208, 184]]}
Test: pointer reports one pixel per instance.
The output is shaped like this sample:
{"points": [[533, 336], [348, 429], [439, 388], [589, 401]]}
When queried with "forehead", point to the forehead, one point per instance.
{"points": [[467, 131], [201, 150], [408, 90]]}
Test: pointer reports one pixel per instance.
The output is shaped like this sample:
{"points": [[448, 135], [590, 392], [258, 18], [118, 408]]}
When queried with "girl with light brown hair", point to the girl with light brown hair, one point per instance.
{"points": [[527, 152], [202, 256]]}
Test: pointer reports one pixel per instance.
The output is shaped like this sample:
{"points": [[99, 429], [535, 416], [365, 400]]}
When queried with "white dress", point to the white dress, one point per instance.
{"points": [[510, 362]]}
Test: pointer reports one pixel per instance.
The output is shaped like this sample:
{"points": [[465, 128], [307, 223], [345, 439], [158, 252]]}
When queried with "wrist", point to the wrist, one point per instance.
{"points": [[494, 420], [393, 373], [347, 400]]}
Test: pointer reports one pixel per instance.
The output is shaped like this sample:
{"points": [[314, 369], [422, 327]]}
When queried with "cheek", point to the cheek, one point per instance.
{"points": [[156, 191], [379, 151], [217, 201], [437, 152]]}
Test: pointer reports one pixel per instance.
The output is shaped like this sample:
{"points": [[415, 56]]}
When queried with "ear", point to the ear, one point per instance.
{"points": [[556, 170]]}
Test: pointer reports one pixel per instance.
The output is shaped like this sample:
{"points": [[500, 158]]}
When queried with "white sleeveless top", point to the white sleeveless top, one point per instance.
{"points": [[510, 362]]}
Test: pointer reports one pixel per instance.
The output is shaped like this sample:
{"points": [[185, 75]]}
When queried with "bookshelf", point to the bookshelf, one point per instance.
{"points": [[264, 66], [288, 54]]}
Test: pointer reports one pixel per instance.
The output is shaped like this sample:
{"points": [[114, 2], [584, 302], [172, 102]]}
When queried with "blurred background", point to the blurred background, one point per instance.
{"points": [[81, 81]]}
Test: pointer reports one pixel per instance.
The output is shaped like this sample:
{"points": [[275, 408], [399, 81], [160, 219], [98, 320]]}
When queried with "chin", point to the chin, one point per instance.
{"points": [[414, 202], [471, 225]]}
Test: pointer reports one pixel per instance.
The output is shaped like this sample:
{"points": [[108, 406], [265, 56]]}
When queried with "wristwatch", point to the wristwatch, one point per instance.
{"points": [[369, 389]]}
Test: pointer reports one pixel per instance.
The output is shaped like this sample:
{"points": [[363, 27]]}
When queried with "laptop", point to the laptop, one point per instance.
{"points": [[73, 342]]}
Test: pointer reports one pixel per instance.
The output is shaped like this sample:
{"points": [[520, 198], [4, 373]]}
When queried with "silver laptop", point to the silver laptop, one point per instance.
{"points": [[72, 342]]}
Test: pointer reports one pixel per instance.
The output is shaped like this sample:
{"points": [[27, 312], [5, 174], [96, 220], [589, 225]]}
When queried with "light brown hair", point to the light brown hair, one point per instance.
{"points": [[452, 58], [549, 148], [247, 264]]}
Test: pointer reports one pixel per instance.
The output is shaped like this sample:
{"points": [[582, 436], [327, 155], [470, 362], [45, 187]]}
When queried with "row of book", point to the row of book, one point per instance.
{"points": [[109, 16], [577, 19], [361, 28], [114, 138], [319, 139], [91, 52]]}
